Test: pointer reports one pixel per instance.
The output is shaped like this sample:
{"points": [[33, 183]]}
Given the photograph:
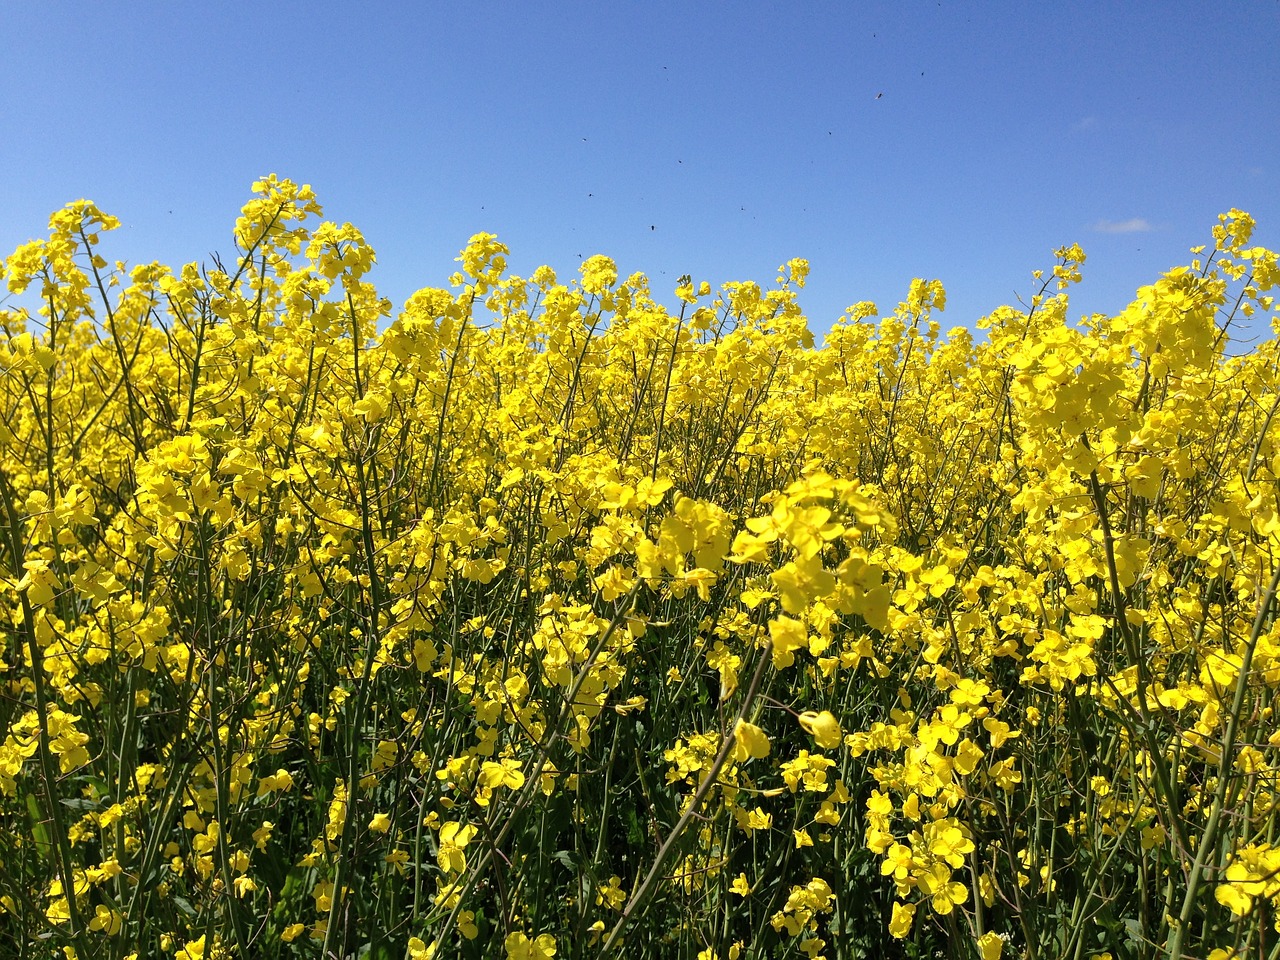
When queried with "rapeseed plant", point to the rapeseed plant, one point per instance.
{"points": [[548, 623]]}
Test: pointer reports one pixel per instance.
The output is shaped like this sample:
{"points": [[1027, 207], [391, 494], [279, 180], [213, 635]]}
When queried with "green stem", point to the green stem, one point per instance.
{"points": [[1226, 760], [48, 777], [726, 747]]}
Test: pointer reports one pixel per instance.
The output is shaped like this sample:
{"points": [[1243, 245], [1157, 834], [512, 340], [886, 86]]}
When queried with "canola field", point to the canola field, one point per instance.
{"points": [[540, 620]]}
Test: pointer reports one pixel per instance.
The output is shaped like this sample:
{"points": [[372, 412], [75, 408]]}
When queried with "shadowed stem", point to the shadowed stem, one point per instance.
{"points": [[729, 740]]}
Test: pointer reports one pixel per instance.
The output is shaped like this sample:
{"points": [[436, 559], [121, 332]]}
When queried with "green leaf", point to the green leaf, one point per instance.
{"points": [[39, 829]]}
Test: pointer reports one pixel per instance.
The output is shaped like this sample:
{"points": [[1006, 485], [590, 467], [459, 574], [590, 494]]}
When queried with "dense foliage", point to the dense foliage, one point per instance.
{"points": [[546, 622]]}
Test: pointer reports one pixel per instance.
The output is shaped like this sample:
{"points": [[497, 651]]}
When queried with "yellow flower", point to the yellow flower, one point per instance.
{"points": [[280, 780], [900, 922], [945, 894], [611, 894], [788, 635], [106, 920], [599, 273], [467, 924], [520, 947], [823, 727], [755, 819], [504, 774], [898, 863], [262, 835], [807, 769], [454, 838], [751, 741], [380, 823]]}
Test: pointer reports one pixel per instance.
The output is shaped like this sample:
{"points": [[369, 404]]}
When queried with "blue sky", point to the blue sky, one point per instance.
{"points": [[882, 141]]}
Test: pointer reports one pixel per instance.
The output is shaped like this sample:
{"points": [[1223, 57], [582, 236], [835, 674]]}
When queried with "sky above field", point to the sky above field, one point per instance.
{"points": [[880, 140]]}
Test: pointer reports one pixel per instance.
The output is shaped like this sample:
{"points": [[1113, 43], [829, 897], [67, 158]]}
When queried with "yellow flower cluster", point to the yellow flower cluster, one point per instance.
{"points": [[541, 621]]}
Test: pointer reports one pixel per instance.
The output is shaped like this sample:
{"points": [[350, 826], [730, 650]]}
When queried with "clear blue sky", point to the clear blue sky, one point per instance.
{"points": [[880, 140]]}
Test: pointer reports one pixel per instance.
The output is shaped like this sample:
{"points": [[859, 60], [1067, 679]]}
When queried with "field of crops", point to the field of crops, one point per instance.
{"points": [[549, 622]]}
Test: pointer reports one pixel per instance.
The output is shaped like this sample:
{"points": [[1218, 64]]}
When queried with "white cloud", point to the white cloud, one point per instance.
{"points": [[1084, 123], [1132, 225]]}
